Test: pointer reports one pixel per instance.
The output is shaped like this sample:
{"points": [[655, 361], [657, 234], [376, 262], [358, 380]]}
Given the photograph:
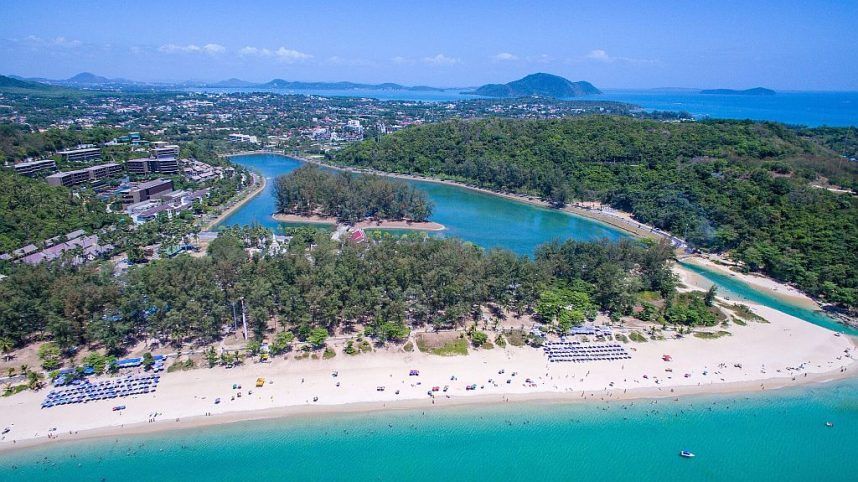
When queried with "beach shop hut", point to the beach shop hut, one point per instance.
{"points": [[260, 382]]}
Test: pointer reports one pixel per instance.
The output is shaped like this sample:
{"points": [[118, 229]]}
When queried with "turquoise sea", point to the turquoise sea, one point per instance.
{"points": [[778, 436]]}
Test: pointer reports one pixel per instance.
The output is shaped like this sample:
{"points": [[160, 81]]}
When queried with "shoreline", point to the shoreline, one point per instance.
{"points": [[774, 288], [260, 183], [623, 222], [332, 221], [290, 412]]}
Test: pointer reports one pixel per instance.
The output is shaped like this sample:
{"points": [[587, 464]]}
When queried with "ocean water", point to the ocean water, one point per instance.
{"points": [[778, 436], [801, 108]]}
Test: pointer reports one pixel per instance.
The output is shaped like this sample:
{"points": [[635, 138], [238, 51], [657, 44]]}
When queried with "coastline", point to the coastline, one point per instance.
{"points": [[332, 221], [759, 282], [260, 183], [365, 407], [782, 352], [759, 356]]}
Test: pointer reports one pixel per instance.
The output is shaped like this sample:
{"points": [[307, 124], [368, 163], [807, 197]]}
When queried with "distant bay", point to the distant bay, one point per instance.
{"points": [[802, 108]]}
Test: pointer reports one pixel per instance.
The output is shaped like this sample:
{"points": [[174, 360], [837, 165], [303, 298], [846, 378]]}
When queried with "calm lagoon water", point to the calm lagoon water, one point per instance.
{"points": [[775, 436], [493, 221]]}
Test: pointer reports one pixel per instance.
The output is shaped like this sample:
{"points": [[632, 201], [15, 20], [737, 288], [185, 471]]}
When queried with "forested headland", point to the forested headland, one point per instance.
{"points": [[729, 186], [310, 190]]}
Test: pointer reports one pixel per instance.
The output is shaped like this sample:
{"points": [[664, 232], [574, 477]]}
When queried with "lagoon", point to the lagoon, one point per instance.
{"points": [[496, 222]]}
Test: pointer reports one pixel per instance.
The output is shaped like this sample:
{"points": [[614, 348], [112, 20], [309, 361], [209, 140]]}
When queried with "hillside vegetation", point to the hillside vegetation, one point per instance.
{"points": [[736, 186], [32, 211], [310, 190]]}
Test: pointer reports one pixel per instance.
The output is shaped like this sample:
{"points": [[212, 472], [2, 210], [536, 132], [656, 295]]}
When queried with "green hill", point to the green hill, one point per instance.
{"points": [[544, 85], [741, 187], [31, 211], [8, 83]]}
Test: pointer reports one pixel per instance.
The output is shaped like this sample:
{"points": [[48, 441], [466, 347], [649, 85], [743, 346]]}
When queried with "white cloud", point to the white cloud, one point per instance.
{"points": [[36, 41], [210, 48], [213, 48], [541, 59], [402, 60], [337, 60], [441, 59], [255, 52], [282, 54], [600, 55], [504, 57], [290, 56]]}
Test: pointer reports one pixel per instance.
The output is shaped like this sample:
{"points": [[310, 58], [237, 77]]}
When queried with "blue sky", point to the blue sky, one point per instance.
{"points": [[788, 45]]}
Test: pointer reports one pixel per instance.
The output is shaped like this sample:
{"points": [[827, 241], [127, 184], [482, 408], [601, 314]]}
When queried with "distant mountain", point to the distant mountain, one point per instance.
{"points": [[294, 85], [545, 85], [87, 78], [233, 82], [754, 91], [10, 83]]}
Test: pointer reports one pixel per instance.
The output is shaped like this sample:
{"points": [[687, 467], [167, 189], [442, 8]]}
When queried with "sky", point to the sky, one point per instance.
{"points": [[786, 45]]}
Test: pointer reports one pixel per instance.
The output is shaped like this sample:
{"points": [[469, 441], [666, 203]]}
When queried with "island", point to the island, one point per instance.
{"points": [[754, 91], [312, 195], [539, 84]]}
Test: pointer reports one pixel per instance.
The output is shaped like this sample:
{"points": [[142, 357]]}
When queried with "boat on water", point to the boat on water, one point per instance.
{"points": [[686, 454], [829, 424], [118, 408]]}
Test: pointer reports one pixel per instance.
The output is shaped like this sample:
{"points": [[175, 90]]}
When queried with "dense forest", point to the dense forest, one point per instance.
{"points": [[737, 186], [383, 288], [349, 198], [32, 211], [19, 142]]}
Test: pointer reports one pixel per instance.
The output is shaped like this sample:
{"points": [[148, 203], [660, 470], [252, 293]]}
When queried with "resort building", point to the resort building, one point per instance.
{"points": [[34, 168], [243, 138], [80, 155], [146, 191], [79, 176], [163, 165], [163, 150]]}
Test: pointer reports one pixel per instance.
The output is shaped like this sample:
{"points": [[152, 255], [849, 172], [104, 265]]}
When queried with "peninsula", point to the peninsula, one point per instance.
{"points": [[754, 91]]}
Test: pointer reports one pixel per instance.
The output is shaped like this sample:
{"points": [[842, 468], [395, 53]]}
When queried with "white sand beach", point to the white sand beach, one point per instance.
{"points": [[786, 351]]}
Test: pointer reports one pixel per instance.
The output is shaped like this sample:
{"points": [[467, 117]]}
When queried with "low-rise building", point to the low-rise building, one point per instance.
{"points": [[79, 176], [164, 150], [163, 165], [34, 168], [146, 190], [243, 138], [80, 155]]}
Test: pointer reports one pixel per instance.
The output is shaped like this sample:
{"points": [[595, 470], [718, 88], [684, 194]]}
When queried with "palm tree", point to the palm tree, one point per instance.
{"points": [[6, 346], [34, 380]]}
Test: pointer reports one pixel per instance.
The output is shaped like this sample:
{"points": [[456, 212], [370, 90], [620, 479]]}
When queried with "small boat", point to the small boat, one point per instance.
{"points": [[686, 454], [118, 408], [829, 424], [217, 401]]}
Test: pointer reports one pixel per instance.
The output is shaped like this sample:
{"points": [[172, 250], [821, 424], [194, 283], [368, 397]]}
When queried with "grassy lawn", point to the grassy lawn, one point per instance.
{"points": [[456, 347], [637, 336], [709, 335]]}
